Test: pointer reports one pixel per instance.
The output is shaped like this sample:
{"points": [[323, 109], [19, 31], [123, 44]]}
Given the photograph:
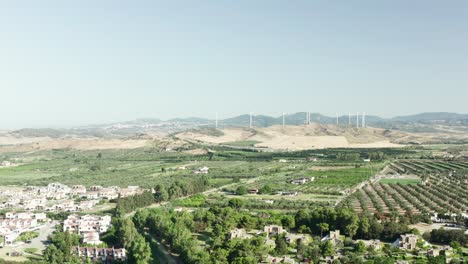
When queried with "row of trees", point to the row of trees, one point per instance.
{"points": [[344, 219], [352, 156], [351, 224], [162, 193], [265, 189], [59, 251], [131, 203], [444, 236], [181, 188], [173, 230], [123, 233]]}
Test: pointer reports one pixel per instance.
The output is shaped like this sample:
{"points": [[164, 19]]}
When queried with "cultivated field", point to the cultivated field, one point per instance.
{"points": [[440, 187]]}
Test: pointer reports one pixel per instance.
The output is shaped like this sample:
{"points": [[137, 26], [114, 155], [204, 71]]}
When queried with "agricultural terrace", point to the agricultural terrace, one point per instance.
{"points": [[441, 188]]}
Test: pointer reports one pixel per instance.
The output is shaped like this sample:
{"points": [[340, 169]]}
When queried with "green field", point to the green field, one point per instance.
{"points": [[400, 181], [335, 171]]}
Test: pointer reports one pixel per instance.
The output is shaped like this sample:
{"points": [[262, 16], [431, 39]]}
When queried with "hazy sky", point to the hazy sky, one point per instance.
{"points": [[78, 62]]}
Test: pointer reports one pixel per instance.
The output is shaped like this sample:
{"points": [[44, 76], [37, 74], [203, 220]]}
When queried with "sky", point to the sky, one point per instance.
{"points": [[70, 63]]}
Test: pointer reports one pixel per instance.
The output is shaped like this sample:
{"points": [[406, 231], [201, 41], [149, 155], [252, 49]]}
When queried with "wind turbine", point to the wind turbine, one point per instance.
{"points": [[357, 120], [364, 119], [284, 119], [216, 123], [251, 120]]}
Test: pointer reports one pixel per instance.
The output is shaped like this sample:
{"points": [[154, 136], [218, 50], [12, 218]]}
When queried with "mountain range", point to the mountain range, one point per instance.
{"points": [[434, 122]]}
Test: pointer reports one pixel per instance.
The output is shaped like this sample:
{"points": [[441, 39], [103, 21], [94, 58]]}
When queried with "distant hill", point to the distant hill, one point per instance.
{"points": [[191, 120], [432, 117], [41, 132], [439, 122], [300, 118]]}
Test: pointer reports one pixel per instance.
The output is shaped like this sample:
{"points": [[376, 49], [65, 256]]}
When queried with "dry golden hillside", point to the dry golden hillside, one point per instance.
{"points": [[309, 137]]}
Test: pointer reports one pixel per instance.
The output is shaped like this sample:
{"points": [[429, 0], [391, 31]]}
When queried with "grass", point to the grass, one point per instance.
{"points": [[344, 177], [400, 181], [196, 200]]}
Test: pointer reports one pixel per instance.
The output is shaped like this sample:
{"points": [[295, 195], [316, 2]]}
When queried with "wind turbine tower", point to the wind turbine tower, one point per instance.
{"points": [[349, 119], [357, 120], [337, 120], [216, 123], [284, 119], [364, 119], [251, 119]]}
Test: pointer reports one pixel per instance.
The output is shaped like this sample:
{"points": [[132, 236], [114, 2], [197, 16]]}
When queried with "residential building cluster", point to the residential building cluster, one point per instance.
{"points": [[103, 255], [89, 227], [406, 242], [57, 197], [14, 224]]}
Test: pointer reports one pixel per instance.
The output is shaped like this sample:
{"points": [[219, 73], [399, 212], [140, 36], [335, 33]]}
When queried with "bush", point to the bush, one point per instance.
{"points": [[241, 190], [27, 236]]}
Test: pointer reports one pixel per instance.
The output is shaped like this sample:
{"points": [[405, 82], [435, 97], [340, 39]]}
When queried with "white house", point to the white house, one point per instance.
{"points": [[91, 238], [302, 180], [202, 170], [6, 163], [87, 223], [239, 233], [408, 242], [9, 236], [273, 230]]}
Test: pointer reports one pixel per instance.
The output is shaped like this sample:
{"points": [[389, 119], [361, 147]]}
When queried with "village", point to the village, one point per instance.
{"points": [[57, 197], [25, 222]]}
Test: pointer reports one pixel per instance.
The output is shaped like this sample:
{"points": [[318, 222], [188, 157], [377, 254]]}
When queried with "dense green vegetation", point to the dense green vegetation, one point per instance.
{"points": [[447, 237], [210, 205], [27, 236], [150, 166], [60, 249], [192, 235], [245, 143], [400, 181]]}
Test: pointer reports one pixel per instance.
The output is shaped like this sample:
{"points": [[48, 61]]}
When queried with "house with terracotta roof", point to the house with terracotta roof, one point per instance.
{"points": [[102, 255]]}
